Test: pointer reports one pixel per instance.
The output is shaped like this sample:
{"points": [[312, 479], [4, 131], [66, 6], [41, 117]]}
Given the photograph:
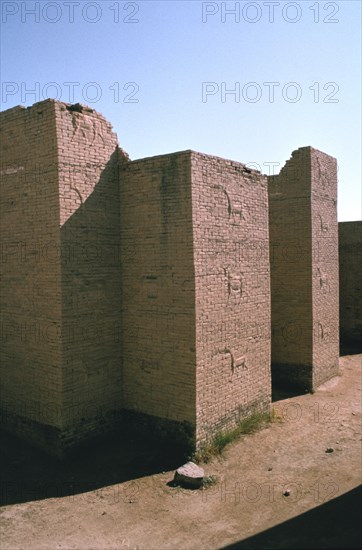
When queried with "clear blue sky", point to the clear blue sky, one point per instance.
{"points": [[160, 70]]}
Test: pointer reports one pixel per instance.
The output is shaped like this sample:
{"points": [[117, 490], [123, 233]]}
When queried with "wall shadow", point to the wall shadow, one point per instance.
{"points": [[283, 388], [91, 297], [335, 524], [349, 347], [29, 474], [280, 392]]}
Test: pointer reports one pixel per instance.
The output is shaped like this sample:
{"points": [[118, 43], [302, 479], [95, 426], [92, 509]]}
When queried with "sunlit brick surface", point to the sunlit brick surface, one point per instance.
{"points": [[231, 257], [31, 308]]}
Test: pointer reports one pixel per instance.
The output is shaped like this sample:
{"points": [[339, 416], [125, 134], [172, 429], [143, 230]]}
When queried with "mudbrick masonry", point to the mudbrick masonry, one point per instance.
{"points": [[158, 290]]}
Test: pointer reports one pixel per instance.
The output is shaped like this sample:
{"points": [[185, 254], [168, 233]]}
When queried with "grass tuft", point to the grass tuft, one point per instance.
{"points": [[249, 425], [209, 481]]}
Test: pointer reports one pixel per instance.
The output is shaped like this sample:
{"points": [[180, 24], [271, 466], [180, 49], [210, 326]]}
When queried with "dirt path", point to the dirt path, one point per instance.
{"points": [[287, 456]]}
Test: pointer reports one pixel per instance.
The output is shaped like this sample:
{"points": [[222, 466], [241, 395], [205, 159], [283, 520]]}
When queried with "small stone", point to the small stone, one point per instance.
{"points": [[329, 450], [286, 493], [270, 469], [189, 474]]}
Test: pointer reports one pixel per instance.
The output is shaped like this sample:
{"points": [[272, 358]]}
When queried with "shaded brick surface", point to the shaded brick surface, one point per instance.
{"points": [[158, 288], [350, 283]]}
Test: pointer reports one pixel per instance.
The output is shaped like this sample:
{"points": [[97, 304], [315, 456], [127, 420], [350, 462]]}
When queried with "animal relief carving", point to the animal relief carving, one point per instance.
{"points": [[323, 281]]}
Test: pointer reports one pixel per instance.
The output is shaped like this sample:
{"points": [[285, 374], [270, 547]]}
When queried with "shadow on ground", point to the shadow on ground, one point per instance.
{"points": [[280, 392], [335, 524], [28, 474]]}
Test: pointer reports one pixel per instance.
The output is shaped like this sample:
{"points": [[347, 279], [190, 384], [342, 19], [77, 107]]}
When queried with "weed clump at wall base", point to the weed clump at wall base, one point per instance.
{"points": [[249, 425]]}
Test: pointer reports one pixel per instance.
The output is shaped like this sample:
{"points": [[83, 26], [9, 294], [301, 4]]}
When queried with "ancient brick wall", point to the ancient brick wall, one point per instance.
{"points": [[31, 355], [158, 288], [304, 269], [60, 300], [142, 289], [231, 257], [350, 285]]}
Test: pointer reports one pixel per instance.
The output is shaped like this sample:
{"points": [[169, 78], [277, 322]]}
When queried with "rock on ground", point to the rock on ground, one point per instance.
{"points": [[189, 474]]}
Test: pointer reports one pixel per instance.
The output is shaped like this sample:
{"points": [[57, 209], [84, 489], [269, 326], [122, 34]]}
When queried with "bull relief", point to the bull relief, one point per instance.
{"points": [[88, 129], [238, 364], [324, 226], [322, 174], [323, 281], [234, 204], [234, 284]]}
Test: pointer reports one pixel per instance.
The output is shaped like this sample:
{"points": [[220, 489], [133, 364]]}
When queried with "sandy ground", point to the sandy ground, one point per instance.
{"points": [[112, 497]]}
